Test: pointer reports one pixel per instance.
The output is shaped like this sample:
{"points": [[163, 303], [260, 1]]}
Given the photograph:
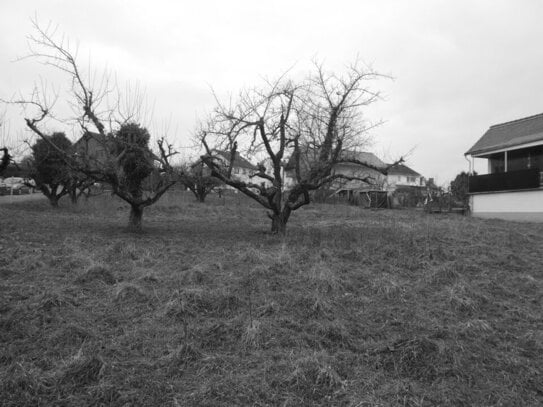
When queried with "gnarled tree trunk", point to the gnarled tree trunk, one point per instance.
{"points": [[136, 216], [53, 200], [51, 194], [73, 196], [279, 221]]}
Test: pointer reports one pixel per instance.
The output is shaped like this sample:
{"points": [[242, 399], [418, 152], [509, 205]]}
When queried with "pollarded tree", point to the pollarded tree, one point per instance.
{"points": [[49, 168], [319, 117], [127, 158], [133, 164]]}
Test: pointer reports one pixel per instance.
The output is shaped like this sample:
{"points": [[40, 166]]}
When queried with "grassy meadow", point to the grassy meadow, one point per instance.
{"points": [[353, 307]]}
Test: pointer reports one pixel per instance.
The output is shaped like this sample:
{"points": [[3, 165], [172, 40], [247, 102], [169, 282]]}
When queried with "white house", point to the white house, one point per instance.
{"points": [[401, 175], [512, 187], [242, 169]]}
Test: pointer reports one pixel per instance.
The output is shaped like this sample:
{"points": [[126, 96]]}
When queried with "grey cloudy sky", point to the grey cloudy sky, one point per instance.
{"points": [[458, 66]]}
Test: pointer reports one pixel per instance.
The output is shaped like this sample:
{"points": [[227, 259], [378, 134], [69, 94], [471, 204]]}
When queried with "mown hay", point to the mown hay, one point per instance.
{"points": [[197, 274], [314, 305], [81, 371], [70, 334], [252, 335], [323, 278], [388, 286], [416, 358], [178, 360], [20, 380], [218, 335], [313, 378], [130, 293], [49, 300], [96, 273], [332, 335], [192, 302]]}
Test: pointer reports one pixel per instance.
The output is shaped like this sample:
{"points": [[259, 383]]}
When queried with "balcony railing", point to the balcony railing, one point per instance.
{"points": [[505, 181]]}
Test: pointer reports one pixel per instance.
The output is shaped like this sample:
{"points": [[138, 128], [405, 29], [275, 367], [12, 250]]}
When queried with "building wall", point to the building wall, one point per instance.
{"points": [[358, 171], [394, 180], [518, 205]]}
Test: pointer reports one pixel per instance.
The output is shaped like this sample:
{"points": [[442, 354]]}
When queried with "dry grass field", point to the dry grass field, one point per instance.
{"points": [[205, 308]]}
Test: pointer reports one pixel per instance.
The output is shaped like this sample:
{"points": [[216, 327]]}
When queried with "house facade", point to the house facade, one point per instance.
{"points": [[512, 188], [242, 169], [401, 175], [93, 150]]}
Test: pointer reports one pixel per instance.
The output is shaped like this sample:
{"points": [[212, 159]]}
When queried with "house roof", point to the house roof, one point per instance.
{"points": [[89, 135], [365, 157], [362, 156], [239, 161], [400, 169], [91, 141], [509, 134]]}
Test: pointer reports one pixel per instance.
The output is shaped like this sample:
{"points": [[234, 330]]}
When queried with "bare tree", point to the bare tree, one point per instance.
{"points": [[311, 124], [197, 178], [105, 125]]}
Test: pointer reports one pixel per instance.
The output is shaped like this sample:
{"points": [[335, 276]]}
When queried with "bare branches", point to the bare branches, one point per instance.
{"points": [[119, 155], [310, 123]]}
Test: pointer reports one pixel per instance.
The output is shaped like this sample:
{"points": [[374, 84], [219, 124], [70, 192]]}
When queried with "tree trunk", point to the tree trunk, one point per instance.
{"points": [[51, 194], [73, 196], [279, 223], [53, 200], [136, 215], [201, 194]]}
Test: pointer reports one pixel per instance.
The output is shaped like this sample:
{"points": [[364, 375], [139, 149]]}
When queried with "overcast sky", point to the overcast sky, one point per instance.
{"points": [[458, 66]]}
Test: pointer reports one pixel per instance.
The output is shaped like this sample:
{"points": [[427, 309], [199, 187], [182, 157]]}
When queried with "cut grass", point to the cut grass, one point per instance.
{"points": [[204, 308]]}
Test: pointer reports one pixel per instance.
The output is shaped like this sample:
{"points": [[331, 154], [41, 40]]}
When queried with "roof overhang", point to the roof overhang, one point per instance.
{"points": [[500, 149]]}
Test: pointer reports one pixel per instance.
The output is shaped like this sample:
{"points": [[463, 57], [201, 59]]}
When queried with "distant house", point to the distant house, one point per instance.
{"points": [[242, 169], [401, 175], [92, 149], [375, 178], [512, 187], [352, 189]]}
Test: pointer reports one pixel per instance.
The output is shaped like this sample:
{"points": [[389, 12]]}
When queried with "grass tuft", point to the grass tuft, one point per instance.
{"points": [[128, 292], [96, 273], [81, 371], [252, 335], [50, 300], [417, 358], [70, 334], [178, 360], [313, 378], [388, 286]]}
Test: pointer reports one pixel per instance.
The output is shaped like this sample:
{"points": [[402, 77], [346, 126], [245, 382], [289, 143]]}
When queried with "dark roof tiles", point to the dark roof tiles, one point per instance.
{"points": [[509, 134], [400, 169], [239, 161]]}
